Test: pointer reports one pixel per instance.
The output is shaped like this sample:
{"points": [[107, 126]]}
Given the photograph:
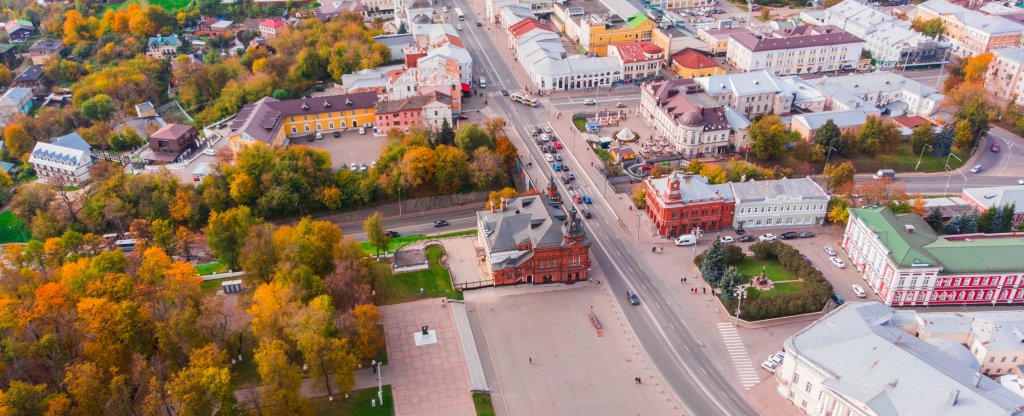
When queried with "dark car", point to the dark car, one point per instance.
{"points": [[478, 24], [310, 138], [337, 134], [440, 223], [392, 233], [740, 231], [789, 235], [504, 92], [587, 213], [633, 298], [806, 234], [838, 299], [995, 148], [746, 238]]}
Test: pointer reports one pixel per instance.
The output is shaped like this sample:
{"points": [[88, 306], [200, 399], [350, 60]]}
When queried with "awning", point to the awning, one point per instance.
{"points": [[466, 87]]}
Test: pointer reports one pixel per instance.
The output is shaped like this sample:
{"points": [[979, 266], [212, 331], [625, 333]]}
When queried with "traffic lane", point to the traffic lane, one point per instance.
{"points": [[423, 223], [935, 184]]}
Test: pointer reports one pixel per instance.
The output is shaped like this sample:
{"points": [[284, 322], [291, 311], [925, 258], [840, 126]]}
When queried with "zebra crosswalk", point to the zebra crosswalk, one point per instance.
{"points": [[739, 356]]}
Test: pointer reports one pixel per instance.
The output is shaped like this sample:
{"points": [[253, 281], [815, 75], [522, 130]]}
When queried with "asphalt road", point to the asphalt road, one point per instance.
{"points": [[461, 218], [657, 322]]}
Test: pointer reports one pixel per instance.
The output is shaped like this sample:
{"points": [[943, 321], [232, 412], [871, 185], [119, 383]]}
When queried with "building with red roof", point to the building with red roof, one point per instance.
{"points": [[271, 28], [639, 60], [691, 63]]}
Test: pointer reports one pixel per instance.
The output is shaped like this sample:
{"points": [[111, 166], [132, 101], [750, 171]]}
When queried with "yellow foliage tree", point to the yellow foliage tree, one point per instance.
{"points": [[977, 66]]}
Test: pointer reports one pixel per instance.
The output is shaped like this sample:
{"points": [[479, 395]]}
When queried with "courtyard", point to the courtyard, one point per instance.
{"points": [[349, 148]]}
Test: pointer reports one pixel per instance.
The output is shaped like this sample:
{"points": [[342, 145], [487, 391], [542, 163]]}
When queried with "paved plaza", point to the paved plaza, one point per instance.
{"points": [[429, 380]]}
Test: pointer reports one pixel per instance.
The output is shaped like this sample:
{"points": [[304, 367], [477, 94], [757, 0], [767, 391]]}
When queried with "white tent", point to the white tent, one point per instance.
{"points": [[625, 135]]}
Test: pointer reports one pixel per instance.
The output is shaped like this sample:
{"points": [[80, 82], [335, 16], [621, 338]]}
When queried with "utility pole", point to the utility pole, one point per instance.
{"points": [[921, 156]]}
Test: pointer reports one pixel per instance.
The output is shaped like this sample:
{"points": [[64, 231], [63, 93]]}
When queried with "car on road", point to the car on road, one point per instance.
{"points": [[577, 199], [726, 240], [587, 200], [319, 136], [458, 27], [590, 101], [806, 234], [547, 129], [620, 105], [337, 134], [392, 233], [558, 157], [686, 240], [632, 297], [1020, 181], [310, 138], [210, 152], [586, 213], [789, 235], [746, 238], [504, 93], [545, 137], [556, 167], [838, 299], [995, 148], [440, 223], [572, 177], [548, 157], [837, 261], [976, 169], [478, 24], [859, 291], [565, 179], [558, 145], [565, 168], [831, 251], [767, 237]]}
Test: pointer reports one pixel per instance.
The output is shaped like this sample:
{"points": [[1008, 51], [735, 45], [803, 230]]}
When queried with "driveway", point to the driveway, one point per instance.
{"points": [[350, 147]]}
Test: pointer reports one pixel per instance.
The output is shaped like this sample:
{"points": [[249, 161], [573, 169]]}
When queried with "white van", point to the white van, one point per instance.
{"points": [[483, 82], [885, 173], [686, 240]]}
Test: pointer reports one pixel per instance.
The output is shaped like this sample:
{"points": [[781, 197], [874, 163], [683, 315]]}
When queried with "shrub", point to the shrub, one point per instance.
{"points": [[733, 255], [816, 290]]}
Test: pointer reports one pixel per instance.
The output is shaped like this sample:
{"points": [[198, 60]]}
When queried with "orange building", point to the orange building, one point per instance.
{"points": [[275, 122]]}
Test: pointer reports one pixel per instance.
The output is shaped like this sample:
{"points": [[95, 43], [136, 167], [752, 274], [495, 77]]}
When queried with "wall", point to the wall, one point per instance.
{"points": [[409, 207]]}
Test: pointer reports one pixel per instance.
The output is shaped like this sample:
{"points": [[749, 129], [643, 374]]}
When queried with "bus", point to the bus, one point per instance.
{"points": [[524, 99], [458, 12]]}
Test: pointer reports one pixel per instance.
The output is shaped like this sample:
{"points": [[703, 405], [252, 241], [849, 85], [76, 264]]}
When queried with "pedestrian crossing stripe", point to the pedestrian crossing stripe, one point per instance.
{"points": [[738, 353]]}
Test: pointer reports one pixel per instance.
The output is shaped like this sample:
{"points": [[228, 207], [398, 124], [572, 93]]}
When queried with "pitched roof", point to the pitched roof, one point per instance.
{"points": [[415, 102], [797, 38], [46, 45], [525, 26], [803, 189], [842, 118], [692, 58], [262, 119], [172, 131], [31, 74], [637, 51], [529, 219], [69, 150], [15, 96], [13, 25], [692, 188], [1010, 54], [998, 196], [164, 41], [272, 23], [743, 83]]}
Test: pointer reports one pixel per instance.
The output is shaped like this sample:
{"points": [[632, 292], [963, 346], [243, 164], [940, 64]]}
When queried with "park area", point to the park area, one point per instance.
{"points": [[435, 281], [12, 230], [784, 281]]}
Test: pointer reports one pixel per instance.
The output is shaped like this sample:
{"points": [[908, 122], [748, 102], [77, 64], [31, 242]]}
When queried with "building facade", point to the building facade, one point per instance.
{"points": [[781, 202], [639, 60], [874, 91], [971, 32], [163, 47], [542, 54], [423, 111], [907, 264], [170, 141], [800, 50], [20, 30], [691, 63], [1004, 74], [693, 122], [45, 50], [680, 203], [274, 122], [891, 41], [847, 121], [14, 101], [528, 240], [718, 39], [997, 197], [64, 161], [751, 93]]}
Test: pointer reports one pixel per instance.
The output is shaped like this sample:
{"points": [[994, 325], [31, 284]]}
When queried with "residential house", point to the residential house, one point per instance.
{"points": [[274, 122], [639, 60], [15, 101], [530, 240], [20, 30], [332, 9], [692, 63], [45, 50], [1003, 78], [780, 202], [510, 15], [692, 121], [271, 28], [891, 41], [33, 78], [971, 32], [145, 110], [64, 161], [800, 50], [428, 111], [368, 80], [750, 93], [8, 51], [997, 196], [170, 142], [383, 9], [806, 97], [718, 39], [888, 92], [681, 203], [847, 121], [214, 26], [436, 74], [163, 47]]}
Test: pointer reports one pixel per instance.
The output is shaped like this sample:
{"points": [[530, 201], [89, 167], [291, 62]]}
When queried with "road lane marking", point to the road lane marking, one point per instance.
{"points": [[738, 354]]}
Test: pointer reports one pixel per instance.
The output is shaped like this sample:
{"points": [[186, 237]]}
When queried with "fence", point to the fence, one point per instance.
{"points": [[474, 285]]}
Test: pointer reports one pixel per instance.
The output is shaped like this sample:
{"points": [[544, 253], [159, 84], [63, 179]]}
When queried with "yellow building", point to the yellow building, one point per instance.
{"points": [[597, 32], [276, 122], [691, 63]]}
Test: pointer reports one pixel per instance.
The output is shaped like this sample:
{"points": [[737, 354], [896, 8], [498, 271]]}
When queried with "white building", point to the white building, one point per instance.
{"points": [[969, 31], [775, 203], [492, 8], [542, 54], [750, 93], [639, 60], [857, 360], [694, 122], [847, 120], [890, 40], [882, 89], [1004, 74], [805, 96], [800, 50], [64, 161], [15, 101]]}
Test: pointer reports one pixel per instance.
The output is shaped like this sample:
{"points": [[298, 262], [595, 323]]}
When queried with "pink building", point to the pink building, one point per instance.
{"points": [[270, 28], [429, 111]]}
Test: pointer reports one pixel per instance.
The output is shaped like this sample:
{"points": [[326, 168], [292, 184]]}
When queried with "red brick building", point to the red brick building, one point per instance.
{"points": [[680, 202], [531, 239]]}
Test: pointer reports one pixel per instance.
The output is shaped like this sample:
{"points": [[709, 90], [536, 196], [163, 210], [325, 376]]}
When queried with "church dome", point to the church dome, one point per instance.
{"points": [[691, 118]]}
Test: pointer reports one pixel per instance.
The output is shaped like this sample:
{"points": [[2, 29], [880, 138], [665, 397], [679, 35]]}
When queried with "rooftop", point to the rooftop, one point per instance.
{"points": [[998, 196], [723, 34], [637, 51], [70, 150], [16, 96], [534, 220], [681, 100], [1010, 54], [692, 189], [692, 58], [262, 119], [991, 25], [842, 118], [31, 74], [411, 103], [866, 358], [743, 83], [46, 45], [796, 38], [272, 23], [172, 131], [803, 189], [164, 41]]}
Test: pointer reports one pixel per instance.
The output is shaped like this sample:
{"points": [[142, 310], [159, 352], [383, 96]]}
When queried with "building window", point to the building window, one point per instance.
{"points": [[807, 387], [796, 378]]}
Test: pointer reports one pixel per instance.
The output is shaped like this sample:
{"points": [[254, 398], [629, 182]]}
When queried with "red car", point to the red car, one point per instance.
{"points": [[577, 199], [558, 145]]}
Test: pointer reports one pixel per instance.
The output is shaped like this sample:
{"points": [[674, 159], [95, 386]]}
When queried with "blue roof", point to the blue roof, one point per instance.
{"points": [[72, 141], [164, 41]]}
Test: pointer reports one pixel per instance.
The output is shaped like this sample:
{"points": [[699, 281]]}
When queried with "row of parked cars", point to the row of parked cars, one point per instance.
{"points": [[357, 167]]}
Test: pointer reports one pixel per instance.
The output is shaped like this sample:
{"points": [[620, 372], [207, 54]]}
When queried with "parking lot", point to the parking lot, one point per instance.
{"points": [[349, 147]]}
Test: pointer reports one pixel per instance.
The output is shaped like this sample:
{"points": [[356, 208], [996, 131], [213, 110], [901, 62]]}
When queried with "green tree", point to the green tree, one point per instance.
{"points": [[922, 135], [226, 233], [452, 169], [714, 264], [731, 279], [838, 211], [1009, 212], [953, 226], [829, 135], [976, 113], [769, 136], [374, 228], [22, 398], [934, 219], [310, 65], [259, 256], [870, 135], [99, 107], [839, 176], [962, 138], [446, 135], [470, 137]]}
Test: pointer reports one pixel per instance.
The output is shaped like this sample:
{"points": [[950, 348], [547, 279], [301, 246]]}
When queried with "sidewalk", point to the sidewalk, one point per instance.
{"points": [[314, 387]]}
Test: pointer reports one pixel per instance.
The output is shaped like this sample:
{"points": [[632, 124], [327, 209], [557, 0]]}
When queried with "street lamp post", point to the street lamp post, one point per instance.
{"points": [[921, 156], [977, 141], [739, 298], [946, 191]]}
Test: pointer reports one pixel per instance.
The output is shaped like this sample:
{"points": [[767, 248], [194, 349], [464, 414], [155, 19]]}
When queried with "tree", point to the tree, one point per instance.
{"points": [[977, 67], [226, 233], [17, 141], [452, 168], [876, 137], [310, 65], [1009, 212], [976, 114], [838, 211], [5, 75], [374, 228], [22, 398], [930, 28], [99, 107], [281, 379], [273, 307], [714, 173], [944, 142], [829, 135], [969, 223], [714, 264], [418, 166], [486, 169], [922, 135], [769, 136], [471, 137], [446, 135], [204, 386], [493, 126], [369, 334], [963, 138], [259, 256], [839, 176], [504, 148], [639, 198], [766, 14], [731, 280], [934, 219]]}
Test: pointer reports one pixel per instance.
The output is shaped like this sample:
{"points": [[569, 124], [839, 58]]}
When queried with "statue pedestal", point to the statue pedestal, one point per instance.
{"points": [[425, 339]]}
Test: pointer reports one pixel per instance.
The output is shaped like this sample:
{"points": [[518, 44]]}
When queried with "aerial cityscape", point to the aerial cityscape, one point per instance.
{"points": [[512, 207]]}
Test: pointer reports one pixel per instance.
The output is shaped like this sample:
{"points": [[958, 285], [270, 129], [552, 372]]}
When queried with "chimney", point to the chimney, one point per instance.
{"points": [[909, 228]]}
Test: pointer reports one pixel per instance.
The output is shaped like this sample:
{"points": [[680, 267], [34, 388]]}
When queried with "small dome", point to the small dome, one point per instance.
{"points": [[422, 19], [419, 4], [691, 118], [652, 49]]}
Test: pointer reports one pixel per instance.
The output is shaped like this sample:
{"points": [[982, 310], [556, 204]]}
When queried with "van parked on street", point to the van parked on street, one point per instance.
{"points": [[686, 240]]}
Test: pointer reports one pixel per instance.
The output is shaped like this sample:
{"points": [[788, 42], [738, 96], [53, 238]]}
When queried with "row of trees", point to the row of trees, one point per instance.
{"points": [[998, 219]]}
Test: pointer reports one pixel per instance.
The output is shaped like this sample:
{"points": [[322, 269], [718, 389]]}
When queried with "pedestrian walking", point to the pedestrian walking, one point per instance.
{"points": [[653, 249], [662, 249], [705, 290], [531, 360], [444, 304], [684, 280]]}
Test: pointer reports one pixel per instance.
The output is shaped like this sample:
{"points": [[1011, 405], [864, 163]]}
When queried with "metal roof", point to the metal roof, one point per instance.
{"points": [[842, 118], [530, 219], [794, 189]]}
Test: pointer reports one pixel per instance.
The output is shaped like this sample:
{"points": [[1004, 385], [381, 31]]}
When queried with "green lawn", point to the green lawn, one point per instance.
{"points": [[210, 268], [902, 160], [581, 124], [750, 267], [169, 5], [603, 154], [787, 288], [357, 404], [12, 230], [212, 286], [405, 287], [483, 404], [404, 240], [243, 373]]}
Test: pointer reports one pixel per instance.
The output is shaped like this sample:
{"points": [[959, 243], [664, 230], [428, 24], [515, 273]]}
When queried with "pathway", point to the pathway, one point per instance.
{"points": [[738, 353]]}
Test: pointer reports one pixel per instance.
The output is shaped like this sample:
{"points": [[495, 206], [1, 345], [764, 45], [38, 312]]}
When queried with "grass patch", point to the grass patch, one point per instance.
{"points": [[581, 124], [210, 268], [603, 154], [786, 288], [903, 160], [405, 287], [357, 404], [482, 402], [243, 373], [12, 230], [212, 286], [750, 267], [169, 5], [405, 240]]}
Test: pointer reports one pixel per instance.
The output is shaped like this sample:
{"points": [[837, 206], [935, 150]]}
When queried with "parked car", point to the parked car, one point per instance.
{"points": [[565, 179], [590, 101], [440, 223], [354, 167], [633, 298], [586, 213], [837, 261], [620, 105], [572, 177], [1020, 181], [587, 200], [838, 299], [319, 136], [547, 129], [558, 145], [336, 134], [362, 167], [343, 166], [976, 169], [859, 291], [556, 167], [995, 148], [767, 237], [392, 233], [831, 251], [545, 137], [769, 366], [740, 231], [577, 199], [726, 240], [478, 24], [548, 157], [806, 234], [558, 157], [458, 27], [746, 238], [210, 152], [310, 138], [686, 240], [789, 235], [565, 168]]}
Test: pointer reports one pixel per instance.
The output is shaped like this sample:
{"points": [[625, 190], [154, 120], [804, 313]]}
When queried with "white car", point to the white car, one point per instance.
{"points": [[458, 27], [976, 169], [547, 129], [1020, 181], [726, 240], [831, 251], [767, 237], [837, 261], [859, 291], [769, 365], [590, 101], [549, 157], [210, 152], [544, 137]]}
